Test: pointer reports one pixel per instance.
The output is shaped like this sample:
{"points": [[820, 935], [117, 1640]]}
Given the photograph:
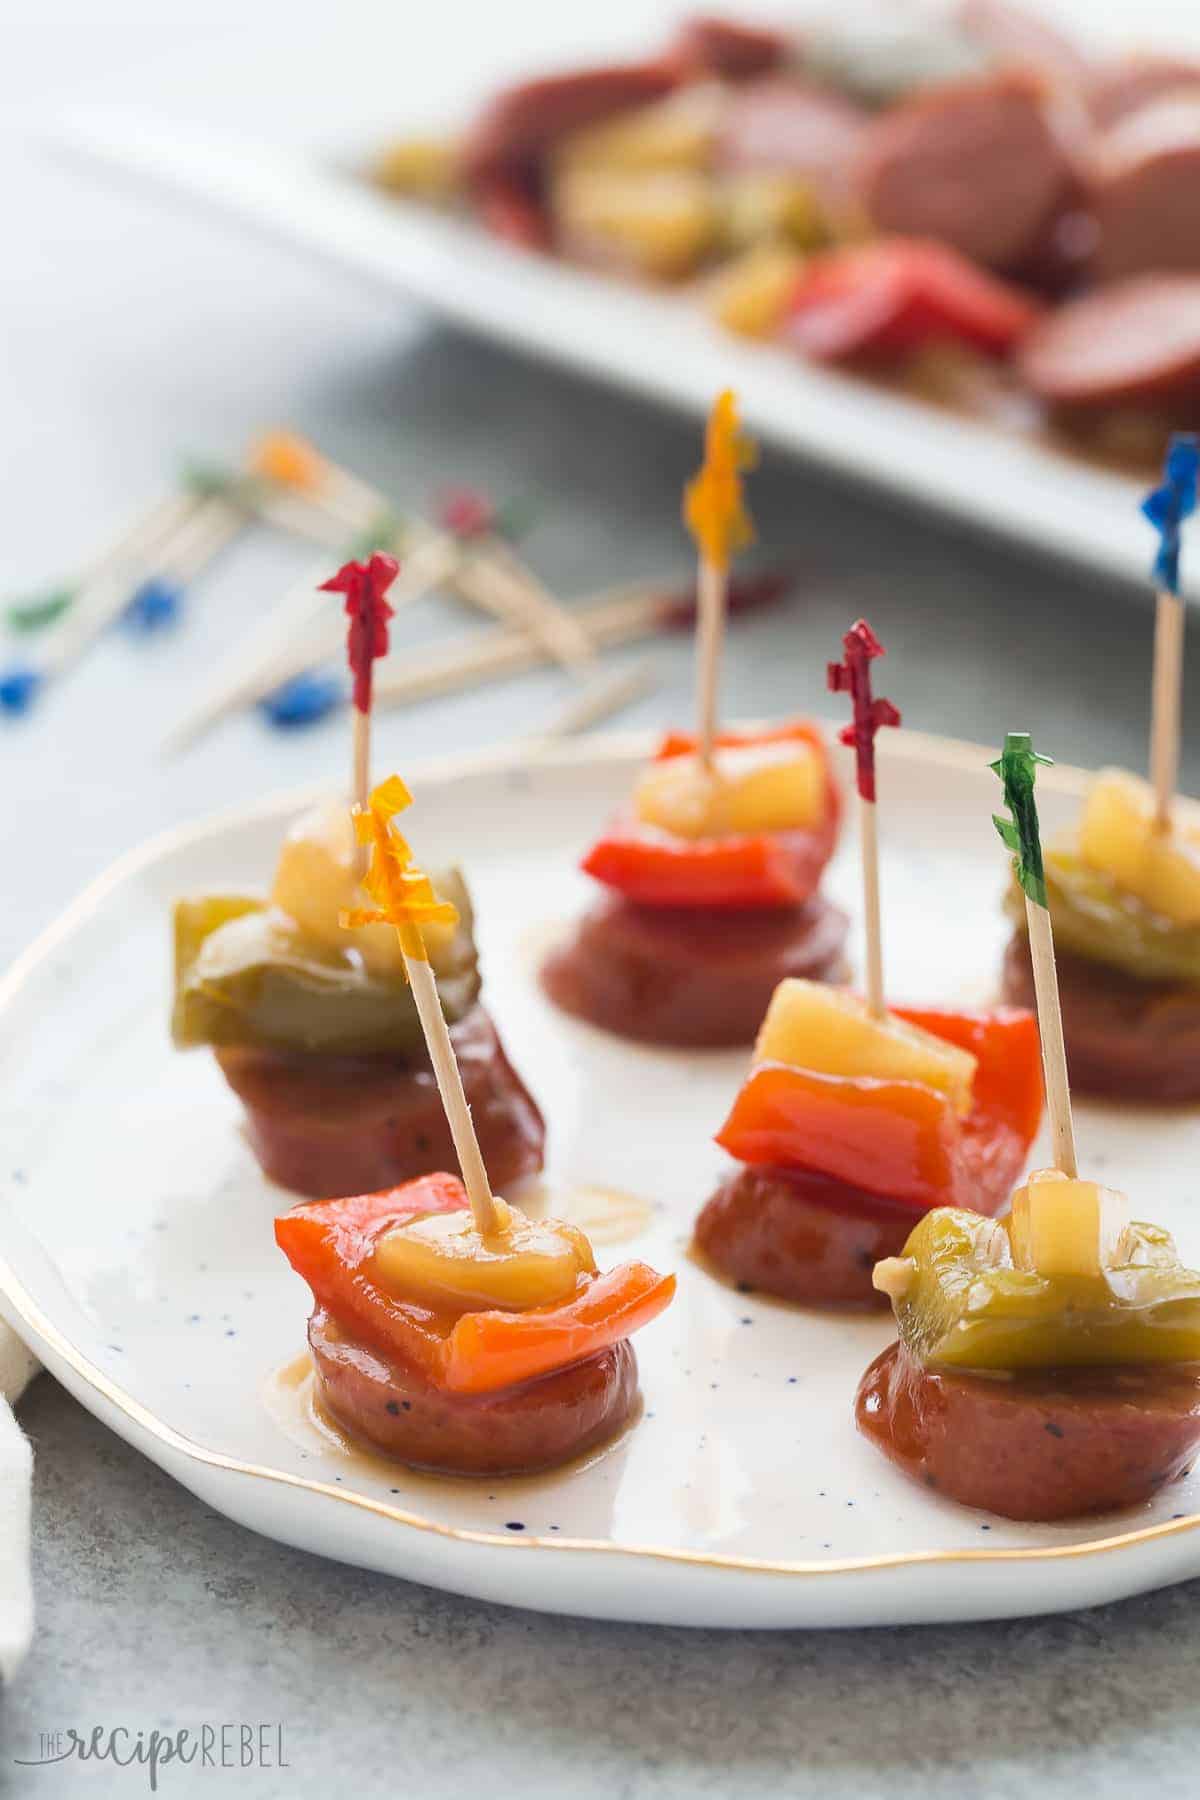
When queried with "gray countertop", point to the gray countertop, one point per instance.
{"points": [[141, 333]]}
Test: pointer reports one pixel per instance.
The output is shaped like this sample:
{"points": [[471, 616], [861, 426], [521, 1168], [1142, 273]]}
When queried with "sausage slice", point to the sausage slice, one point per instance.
{"points": [[1143, 177], [1057, 1445], [326, 1125], [1117, 89], [731, 48], [517, 128], [977, 165], [510, 1432], [1134, 343]]}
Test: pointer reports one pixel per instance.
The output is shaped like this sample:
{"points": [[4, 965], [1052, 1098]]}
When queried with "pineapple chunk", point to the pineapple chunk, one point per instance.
{"points": [[1060, 1226], [764, 208], [751, 294], [427, 168], [315, 883], [751, 787], [442, 1260], [678, 133], [1117, 835], [660, 225], [830, 1031]]}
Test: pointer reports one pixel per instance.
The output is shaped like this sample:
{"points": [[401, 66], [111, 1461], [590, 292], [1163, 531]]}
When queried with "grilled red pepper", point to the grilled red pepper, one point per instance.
{"points": [[883, 300], [763, 870], [903, 1140], [331, 1243]]}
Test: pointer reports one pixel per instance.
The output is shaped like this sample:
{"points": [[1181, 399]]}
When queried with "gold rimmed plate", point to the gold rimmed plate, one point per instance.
{"points": [[136, 1253]]}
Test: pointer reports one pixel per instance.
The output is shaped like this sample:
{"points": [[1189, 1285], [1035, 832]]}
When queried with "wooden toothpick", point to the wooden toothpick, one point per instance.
{"points": [[716, 516], [454, 1099], [1050, 1028], [1165, 704], [405, 898], [1167, 507], [853, 676], [362, 757], [1017, 767], [711, 583]]}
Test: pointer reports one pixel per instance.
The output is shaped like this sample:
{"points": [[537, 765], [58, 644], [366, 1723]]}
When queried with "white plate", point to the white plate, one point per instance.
{"points": [[652, 343], [136, 1252]]}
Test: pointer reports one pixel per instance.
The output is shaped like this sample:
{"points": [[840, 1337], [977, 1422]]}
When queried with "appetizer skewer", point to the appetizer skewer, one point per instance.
{"points": [[450, 1330], [712, 880], [1124, 887], [855, 1119], [317, 1030], [1049, 1365]]}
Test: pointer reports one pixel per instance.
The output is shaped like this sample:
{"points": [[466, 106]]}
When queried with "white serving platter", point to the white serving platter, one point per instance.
{"points": [[654, 344], [136, 1254]]}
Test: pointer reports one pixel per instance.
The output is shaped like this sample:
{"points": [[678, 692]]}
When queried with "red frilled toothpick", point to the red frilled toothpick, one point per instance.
{"points": [[853, 676], [365, 585]]}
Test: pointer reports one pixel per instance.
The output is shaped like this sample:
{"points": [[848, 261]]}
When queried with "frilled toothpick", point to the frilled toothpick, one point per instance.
{"points": [[1166, 508], [365, 586], [490, 573], [715, 513], [296, 466], [404, 898], [853, 676], [1017, 768]]}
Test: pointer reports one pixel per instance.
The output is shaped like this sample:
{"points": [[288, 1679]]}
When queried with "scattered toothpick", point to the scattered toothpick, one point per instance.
{"points": [[716, 516], [154, 579], [1017, 767], [617, 615], [210, 528], [492, 575], [1167, 508], [607, 695], [292, 463], [853, 677], [404, 897], [137, 542]]}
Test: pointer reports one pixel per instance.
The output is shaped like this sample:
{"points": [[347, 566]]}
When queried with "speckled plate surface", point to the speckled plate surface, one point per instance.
{"points": [[136, 1253]]}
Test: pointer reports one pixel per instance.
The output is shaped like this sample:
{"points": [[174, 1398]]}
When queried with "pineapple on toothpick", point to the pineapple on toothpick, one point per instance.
{"points": [[1061, 1225]]}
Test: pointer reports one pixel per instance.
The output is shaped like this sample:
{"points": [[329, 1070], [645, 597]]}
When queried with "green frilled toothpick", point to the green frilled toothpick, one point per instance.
{"points": [[1017, 769]]}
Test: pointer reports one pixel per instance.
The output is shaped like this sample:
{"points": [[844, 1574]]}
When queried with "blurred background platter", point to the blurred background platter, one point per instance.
{"points": [[999, 473]]}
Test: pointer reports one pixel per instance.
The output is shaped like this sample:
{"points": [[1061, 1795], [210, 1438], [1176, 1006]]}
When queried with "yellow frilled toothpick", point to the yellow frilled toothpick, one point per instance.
{"points": [[715, 513], [404, 897]]}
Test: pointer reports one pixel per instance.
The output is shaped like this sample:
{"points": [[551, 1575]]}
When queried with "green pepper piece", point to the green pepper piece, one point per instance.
{"points": [[246, 975], [967, 1307], [1094, 918]]}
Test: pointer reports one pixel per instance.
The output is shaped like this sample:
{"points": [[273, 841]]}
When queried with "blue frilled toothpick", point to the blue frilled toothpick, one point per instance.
{"points": [[1167, 507], [303, 700]]}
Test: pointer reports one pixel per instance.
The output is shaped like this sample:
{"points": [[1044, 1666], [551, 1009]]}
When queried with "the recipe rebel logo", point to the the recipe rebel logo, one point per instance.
{"points": [[240, 1745]]}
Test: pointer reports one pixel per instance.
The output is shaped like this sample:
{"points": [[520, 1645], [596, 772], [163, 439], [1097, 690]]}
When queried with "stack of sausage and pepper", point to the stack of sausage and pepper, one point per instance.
{"points": [[1026, 1380], [963, 201]]}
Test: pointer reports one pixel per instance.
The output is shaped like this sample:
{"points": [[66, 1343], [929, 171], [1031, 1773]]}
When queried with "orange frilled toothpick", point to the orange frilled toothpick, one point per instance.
{"points": [[404, 897], [291, 462], [715, 513]]}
